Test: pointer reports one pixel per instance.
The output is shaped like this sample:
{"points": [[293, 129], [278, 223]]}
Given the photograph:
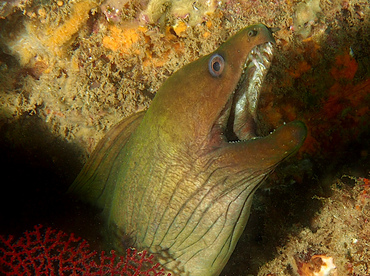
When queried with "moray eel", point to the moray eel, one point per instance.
{"points": [[178, 179]]}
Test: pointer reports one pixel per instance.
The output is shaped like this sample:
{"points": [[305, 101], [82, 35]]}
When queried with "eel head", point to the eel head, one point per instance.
{"points": [[210, 105]]}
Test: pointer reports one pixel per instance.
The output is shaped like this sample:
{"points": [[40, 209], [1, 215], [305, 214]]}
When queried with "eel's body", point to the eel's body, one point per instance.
{"points": [[170, 180]]}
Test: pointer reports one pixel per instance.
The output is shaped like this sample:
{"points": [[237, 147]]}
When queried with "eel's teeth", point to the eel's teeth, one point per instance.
{"points": [[269, 48]]}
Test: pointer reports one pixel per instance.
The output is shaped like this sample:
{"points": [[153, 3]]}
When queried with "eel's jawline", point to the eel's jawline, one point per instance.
{"points": [[238, 119]]}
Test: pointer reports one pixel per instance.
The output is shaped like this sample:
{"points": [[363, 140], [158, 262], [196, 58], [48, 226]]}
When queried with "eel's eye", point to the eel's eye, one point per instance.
{"points": [[216, 65], [252, 33]]}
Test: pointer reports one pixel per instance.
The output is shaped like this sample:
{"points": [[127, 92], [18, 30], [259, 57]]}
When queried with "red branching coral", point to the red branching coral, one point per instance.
{"points": [[51, 252]]}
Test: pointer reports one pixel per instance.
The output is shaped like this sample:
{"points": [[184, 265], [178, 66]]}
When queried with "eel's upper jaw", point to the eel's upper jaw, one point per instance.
{"points": [[238, 118]]}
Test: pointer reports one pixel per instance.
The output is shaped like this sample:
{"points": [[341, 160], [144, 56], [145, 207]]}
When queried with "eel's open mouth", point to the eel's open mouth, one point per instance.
{"points": [[237, 121]]}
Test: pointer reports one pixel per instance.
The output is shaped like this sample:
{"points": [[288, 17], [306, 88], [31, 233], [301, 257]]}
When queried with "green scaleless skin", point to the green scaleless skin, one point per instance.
{"points": [[169, 181]]}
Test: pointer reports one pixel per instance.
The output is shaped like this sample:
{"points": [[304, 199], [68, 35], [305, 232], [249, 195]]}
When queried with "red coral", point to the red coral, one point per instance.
{"points": [[51, 252]]}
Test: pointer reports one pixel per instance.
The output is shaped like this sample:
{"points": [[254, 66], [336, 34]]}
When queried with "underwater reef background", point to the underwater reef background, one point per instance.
{"points": [[70, 70]]}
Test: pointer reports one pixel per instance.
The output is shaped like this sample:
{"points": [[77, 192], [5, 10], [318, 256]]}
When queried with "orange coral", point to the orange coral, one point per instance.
{"points": [[300, 69], [122, 39], [340, 117], [345, 96], [345, 67], [64, 33], [40, 40], [180, 28]]}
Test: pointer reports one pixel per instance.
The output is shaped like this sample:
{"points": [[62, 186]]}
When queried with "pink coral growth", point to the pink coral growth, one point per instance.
{"points": [[51, 252]]}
